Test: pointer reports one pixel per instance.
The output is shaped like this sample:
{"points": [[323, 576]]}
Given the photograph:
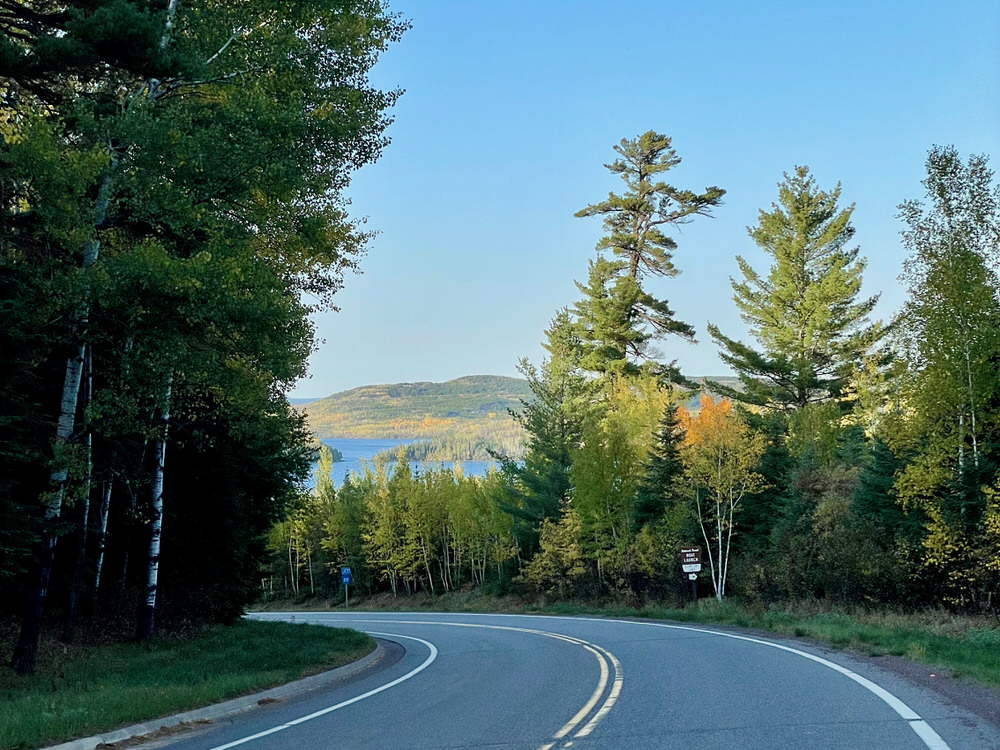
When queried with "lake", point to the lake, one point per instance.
{"points": [[358, 450]]}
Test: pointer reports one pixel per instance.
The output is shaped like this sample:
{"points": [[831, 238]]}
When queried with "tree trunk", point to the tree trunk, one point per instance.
{"points": [[102, 530], [309, 564], [76, 588], [147, 618], [719, 593], [427, 565], [26, 650], [708, 544]]}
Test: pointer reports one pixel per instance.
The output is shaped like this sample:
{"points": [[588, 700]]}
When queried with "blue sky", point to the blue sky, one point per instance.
{"points": [[511, 109]]}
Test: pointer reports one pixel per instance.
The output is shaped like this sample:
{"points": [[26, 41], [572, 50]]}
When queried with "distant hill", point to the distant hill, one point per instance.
{"points": [[463, 418], [475, 405], [729, 381]]}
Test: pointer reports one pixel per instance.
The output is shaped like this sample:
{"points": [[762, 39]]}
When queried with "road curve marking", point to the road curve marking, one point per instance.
{"points": [[920, 727], [582, 714], [322, 712], [616, 688], [598, 652]]}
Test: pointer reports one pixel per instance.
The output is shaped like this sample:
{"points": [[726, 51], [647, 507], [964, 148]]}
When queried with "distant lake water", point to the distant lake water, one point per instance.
{"points": [[358, 450]]}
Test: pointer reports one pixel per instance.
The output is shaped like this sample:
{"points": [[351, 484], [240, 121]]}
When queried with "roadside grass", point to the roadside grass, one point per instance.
{"points": [[966, 646], [80, 691]]}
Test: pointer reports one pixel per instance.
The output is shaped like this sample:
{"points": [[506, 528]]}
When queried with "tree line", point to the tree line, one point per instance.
{"points": [[857, 461], [172, 212]]}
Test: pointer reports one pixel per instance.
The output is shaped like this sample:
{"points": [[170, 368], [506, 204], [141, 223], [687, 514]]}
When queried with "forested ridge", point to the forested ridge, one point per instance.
{"points": [[172, 213], [853, 460], [467, 419], [464, 418]]}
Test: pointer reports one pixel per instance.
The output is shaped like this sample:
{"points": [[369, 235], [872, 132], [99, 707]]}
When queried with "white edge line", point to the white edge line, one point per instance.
{"points": [[322, 712], [923, 730], [598, 652]]}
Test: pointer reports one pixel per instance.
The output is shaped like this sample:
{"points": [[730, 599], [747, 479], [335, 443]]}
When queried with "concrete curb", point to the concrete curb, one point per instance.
{"points": [[227, 708]]}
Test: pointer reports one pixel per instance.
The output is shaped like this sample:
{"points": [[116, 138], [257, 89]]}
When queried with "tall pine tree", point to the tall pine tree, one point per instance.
{"points": [[618, 316]]}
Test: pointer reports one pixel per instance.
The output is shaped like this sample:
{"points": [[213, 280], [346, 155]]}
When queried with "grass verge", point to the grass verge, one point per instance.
{"points": [[78, 692], [966, 646]]}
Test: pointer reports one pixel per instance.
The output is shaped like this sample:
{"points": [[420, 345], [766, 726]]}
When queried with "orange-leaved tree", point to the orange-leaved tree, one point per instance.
{"points": [[720, 454]]}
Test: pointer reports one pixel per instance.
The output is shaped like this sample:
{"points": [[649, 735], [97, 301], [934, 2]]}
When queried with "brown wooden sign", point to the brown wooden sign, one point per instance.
{"points": [[690, 555], [691, 559]]}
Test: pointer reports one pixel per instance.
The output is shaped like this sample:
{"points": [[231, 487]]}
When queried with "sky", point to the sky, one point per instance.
{"points": [[511, 109]]}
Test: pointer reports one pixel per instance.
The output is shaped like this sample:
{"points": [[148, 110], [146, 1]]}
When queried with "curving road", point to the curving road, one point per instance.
{"points": [[502, 682]]}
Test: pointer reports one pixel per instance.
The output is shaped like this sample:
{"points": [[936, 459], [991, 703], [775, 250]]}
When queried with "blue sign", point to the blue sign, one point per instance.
{"points": [[345, 575]]}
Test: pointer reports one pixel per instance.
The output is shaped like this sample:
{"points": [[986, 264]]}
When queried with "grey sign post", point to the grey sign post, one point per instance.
{"points": [[691, 564]]}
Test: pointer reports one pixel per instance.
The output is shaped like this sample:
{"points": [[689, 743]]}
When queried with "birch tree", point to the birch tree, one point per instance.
{"points": [[720, 455], [950, 337], [608, 470]]}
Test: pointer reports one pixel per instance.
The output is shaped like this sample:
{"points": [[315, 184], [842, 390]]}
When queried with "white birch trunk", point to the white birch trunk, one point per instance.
{"points": [[102, 531], [25, 652], [718, 533], [147, 625], [708, 544], [77, 585]]}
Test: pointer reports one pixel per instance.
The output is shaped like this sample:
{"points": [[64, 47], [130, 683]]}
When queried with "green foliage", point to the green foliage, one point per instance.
{"points": [[661, 487], [77, 692], [607, 470], [949, 338], [618, 317], [635, 220], [173, 192], [559, 569], [552, 420], [435, 530], [805, 315]]}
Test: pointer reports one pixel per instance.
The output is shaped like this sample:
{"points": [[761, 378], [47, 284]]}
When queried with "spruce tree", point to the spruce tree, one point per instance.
{"points": [[805, 314], [553, 422], [664, 470]]}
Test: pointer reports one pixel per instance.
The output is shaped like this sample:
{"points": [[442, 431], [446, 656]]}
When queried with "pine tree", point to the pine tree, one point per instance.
{"points": [[635, 219], [810, 327], [618, 316]]}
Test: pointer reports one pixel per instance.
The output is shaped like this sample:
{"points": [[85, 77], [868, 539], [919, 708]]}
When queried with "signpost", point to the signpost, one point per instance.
{"points": [[691, 564], [345, 578]]}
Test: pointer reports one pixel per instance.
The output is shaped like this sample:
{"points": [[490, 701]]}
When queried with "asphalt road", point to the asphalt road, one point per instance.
{"points": [[502, 682]]}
